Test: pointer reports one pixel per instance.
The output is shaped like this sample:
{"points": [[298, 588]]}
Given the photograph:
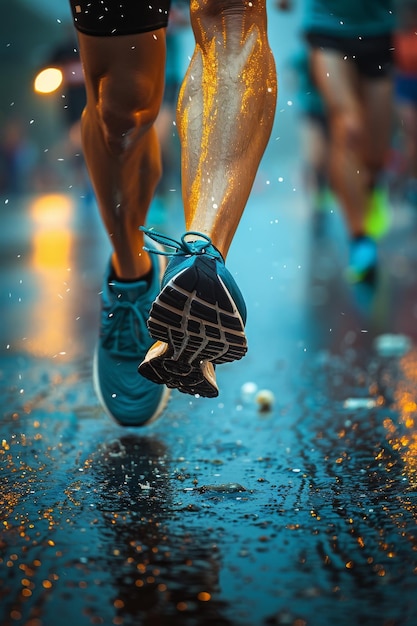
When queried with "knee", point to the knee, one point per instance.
{"points": [[125, 118], [348, 131]]}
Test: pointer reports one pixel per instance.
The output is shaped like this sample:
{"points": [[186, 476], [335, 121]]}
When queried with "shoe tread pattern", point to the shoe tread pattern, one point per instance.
{"points": [[195, 315], [197, 319], [177, 374]]}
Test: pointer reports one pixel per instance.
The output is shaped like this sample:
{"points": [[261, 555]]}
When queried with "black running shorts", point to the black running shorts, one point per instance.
{"points": [[105, 18], [373, 56]]}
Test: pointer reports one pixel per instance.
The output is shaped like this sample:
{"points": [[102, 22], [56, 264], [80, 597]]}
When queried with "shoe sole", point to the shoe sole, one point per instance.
{"points": [[197, 319]]}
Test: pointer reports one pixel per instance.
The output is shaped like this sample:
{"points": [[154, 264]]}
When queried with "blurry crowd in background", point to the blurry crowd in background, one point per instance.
{"points": [[25, 167]]}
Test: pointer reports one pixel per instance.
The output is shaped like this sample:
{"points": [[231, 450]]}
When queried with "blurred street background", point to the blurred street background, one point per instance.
{"points": [[288, 500]]}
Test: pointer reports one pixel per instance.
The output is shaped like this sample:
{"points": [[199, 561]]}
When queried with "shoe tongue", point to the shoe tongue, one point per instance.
{"points": [[128, 291]]}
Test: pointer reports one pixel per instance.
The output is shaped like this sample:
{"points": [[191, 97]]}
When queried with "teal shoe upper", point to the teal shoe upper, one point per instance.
{"points": [[363, 258], [123, 342], [185, 252]]}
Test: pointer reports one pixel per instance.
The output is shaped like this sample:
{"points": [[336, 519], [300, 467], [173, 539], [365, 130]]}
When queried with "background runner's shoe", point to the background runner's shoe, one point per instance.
{"points": [[363, 260], [123, 342], [378, 217], [198, 318]]}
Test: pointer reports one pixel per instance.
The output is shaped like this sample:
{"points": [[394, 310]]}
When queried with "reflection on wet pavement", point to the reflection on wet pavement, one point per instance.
{"points": [[220, 513]]}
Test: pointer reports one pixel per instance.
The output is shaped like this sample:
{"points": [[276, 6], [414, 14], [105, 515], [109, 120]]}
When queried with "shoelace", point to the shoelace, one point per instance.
{"points": [[181, 247], [129, 322]]}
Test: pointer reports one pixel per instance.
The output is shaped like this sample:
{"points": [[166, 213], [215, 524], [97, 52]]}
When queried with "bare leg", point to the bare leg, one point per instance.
{"points": [[377, 97], [124, 81], [339, 85], [124, 77], [225, 114]]}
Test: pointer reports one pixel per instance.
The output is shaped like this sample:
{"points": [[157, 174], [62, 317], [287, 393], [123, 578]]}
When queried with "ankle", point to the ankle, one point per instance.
{"points": [[128, 272]]}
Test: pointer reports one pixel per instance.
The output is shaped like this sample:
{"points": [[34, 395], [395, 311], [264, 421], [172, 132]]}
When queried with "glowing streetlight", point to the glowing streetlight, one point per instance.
{"points": [[48, 80]]}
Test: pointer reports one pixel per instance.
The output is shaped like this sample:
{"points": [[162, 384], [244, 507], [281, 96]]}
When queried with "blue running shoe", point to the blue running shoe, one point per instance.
{"points": [[198, 318], [363, 260], [123, 342]]}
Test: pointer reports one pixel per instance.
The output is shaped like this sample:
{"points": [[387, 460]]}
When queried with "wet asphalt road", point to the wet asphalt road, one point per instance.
{"points": [[219, 513]]}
